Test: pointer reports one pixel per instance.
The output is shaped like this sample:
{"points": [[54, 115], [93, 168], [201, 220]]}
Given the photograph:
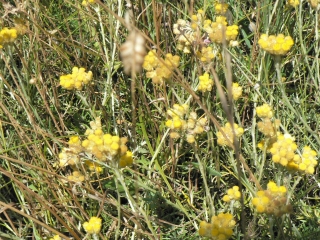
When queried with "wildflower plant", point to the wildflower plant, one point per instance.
{"points": [[104, 147], [160, 70], [221, 227], [226, 134], [76, 80], [165, 119], [7, 35], [272, 201], [93, 226], [276, 44]]}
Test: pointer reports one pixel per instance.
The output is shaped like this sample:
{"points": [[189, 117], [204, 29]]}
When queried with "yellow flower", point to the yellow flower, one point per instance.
{"points": [[76, 80], [221, 8], [86, 3], [293, 3], [76, 177], [236, 91], [232, 194], [7, 35], [277, 45], [264, 111], [55, 237], [93, 226], [205, 83], [228, 131]]}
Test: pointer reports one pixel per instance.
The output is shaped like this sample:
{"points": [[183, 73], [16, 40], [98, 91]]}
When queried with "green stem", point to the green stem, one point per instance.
{"points": [[204, 178], [134, 206]]}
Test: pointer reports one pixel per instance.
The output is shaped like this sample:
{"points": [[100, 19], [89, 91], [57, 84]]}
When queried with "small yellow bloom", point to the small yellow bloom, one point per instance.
{"points": [[55, 237], [93, 226]]}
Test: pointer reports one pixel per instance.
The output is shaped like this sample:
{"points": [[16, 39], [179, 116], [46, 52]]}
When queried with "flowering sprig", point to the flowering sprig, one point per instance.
{"points": [[205, 83], [232, 194], [236, 91], [102, 146], [93, 226], [221, 8], [179, 124], [160, 70], [293, 3], [7, 35], [272, 201], [86, 3], [76, 80], [221, 227], [55, 237], [228, 132], [277, 45]]}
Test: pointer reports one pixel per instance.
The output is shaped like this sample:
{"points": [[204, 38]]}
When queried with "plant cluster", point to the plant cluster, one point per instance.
{"points": [[103, 147], [179, 124], [160, 70], [232, 194], [272, 201], [76, 80], [202, 68], [276, 44], [227, 133], [7, 35], [220, 228]]}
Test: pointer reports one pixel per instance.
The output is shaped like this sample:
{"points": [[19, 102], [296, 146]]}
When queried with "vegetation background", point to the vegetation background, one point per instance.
{"points": [[172, 185]]}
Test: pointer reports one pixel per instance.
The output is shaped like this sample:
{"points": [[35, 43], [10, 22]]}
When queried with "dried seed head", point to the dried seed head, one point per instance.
{"points": [[132, 53]]}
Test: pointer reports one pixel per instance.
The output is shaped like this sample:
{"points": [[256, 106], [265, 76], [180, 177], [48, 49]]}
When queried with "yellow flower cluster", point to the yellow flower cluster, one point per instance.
{"points": [[160, 70], [76, 176], [219, 32], [264, 111], [232, 194], [282, 147], [93, 226], [196, 20], [55, 237], [76, 80], [272, 201], [192, 126], [104, 147], [220, 228], [70, 156], [185, 35], [236, 91], [205, 55], [293, 3], [176, 120], [7, 35], [314, 3], [277, 45], [267, 126], [221, 8], [195, 126], [200, 30], [306, 163], [205, 83], [283, 150], [227, 130], [86, 3]]}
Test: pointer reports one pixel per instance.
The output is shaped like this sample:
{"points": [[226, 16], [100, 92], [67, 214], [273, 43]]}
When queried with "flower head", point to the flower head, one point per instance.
{"points": [[76, 80], [7, 35], [221, 227], [277, 45], [236, 91], [93, 226], [228, 132]]}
